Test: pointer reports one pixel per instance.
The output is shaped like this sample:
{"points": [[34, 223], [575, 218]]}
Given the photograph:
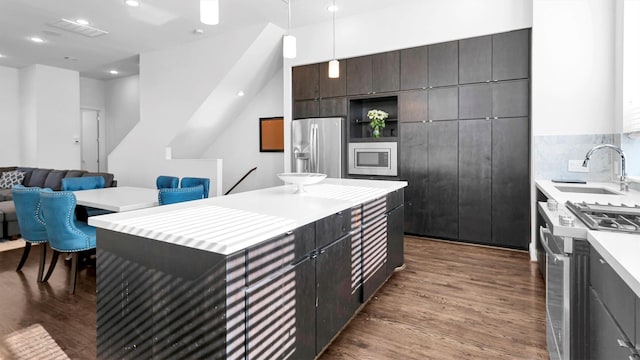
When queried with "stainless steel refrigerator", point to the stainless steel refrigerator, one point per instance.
{"points": [[318, 146]]}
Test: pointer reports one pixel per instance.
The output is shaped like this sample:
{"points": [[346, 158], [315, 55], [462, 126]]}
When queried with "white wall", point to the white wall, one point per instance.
{"points": [[92, 97], [573, 71], [408, 23], [122, 101], [238, 144], [9, 116], [173, 84], [50, 117]]}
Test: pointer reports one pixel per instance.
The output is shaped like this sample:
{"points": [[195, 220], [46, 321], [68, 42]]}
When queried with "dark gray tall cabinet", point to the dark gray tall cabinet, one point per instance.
{"points": [[464, 142]]}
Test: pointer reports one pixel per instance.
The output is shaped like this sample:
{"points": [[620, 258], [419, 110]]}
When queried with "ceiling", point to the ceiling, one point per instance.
{"points": [[154, 25]]}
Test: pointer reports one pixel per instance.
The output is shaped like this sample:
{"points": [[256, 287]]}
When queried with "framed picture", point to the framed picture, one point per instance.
{"points": [[272, 134]]}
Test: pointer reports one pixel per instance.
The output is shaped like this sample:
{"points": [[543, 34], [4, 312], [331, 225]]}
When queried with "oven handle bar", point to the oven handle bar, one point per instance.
{"points": [[543, 240]]}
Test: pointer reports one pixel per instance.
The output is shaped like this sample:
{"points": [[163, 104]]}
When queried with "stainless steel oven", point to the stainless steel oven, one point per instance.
{"points": [[373, 158], [558, 270]]}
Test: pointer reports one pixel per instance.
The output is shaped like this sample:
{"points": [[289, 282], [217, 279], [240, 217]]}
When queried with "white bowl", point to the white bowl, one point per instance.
{"points": [[302, 179]]}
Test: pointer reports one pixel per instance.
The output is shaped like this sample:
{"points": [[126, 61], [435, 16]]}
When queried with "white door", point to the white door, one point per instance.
{"points": [[90, 140]]}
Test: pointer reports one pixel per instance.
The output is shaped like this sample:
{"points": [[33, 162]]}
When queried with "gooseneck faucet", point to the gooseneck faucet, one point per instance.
{"points": [[623, 173]]}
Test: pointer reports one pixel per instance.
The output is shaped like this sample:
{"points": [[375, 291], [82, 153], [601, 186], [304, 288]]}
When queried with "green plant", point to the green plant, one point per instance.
{"points": [[377, 118]]}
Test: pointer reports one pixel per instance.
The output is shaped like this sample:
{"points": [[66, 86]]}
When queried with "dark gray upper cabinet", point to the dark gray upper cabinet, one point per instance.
{"points": [[329, 87], [511, 98], [475, 60], [476, 101], [443, 103], [510, 188], [499, 99], [443, 64], [413, 106], [511, 55], [414, 157], [474, 195], [442, 169], [305, 82], [413, 68], [333, 107], [386, 71], [359, 75], [305, 109]]}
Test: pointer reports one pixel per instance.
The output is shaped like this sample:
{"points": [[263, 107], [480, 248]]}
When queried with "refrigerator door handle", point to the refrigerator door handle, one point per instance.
{"points": [[316, 149]]}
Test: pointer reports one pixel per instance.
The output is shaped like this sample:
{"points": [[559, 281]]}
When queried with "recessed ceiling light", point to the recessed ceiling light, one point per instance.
{"points": [[133, 3], [82, 22], [1, 56], [240, 93], [332, 8], [113, 72], [198, 31], [37, 40]]}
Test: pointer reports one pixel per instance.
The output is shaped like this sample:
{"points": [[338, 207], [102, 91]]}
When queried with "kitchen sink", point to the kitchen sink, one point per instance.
{"points": [[587, 190]]}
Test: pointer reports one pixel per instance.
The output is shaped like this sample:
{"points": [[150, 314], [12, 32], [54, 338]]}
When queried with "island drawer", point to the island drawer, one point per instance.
{"points": [[333, 227], [395, 199], [283, 250], [614, 293]]}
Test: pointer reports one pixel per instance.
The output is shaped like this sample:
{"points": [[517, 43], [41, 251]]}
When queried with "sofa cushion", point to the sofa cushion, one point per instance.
{"points": [[54, 179], [27, 173], [75, 173], [10, 178], [9, 211], [108, 178], [6, 195], [38, 176]]}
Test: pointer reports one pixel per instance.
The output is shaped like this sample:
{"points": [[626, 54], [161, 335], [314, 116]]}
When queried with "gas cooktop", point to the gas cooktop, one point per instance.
{"points": [[608, 217]]}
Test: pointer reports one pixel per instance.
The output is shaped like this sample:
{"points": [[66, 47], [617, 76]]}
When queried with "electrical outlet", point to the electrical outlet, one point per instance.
{"points": [[576, 166]]}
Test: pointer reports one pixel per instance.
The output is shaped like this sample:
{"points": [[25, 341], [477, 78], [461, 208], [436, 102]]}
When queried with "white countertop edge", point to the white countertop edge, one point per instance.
{"points": [[328, 207], [614, 249]]}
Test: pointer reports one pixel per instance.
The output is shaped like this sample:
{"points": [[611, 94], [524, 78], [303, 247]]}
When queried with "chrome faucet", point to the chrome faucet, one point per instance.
{"points": [[623, 173]]}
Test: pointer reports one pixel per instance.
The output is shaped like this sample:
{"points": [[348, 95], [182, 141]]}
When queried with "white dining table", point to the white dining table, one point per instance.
{"points": [[118, 199]]}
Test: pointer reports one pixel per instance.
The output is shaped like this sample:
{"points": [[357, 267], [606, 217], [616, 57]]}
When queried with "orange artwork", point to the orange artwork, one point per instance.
{"points": [[272, 134]]}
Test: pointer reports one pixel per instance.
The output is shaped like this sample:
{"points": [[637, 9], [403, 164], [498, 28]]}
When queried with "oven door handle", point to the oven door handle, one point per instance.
{"points": [[543, 240]]}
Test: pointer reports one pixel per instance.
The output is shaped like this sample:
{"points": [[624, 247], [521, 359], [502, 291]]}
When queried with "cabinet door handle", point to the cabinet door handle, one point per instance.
{"points": [[624, 344], [602, 261], [289, 232]]}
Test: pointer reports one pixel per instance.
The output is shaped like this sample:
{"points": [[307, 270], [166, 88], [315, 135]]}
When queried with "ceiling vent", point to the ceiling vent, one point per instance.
{"points": [[72, 26]]}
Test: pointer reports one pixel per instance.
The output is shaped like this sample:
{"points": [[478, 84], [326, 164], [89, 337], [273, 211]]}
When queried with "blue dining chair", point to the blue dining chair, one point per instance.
{"points": [[168, 196], [85, 183], [192, 181], [82, 183], [163, 182], [65, 234], [32, 228]]}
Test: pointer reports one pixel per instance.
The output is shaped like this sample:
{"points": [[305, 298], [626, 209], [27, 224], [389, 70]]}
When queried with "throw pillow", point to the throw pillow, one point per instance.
{"points": [[10, 178]]}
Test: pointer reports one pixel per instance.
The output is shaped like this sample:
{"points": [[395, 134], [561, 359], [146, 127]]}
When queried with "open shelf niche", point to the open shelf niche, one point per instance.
{"points": [[359, 129]]}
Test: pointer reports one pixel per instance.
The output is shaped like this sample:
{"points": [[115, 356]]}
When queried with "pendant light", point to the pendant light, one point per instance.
{"points": [[334, 65], [209, 12], [289, 41]]}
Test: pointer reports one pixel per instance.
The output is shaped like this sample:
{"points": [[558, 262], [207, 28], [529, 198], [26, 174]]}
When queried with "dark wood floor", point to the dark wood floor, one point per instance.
{"points": [[452, 301]]}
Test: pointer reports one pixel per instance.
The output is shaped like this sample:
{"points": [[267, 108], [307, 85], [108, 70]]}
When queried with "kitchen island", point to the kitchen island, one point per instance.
{"points": [[264, 274]]}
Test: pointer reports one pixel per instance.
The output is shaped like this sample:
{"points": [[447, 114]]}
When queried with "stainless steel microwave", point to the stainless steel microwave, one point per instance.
{"points": [[373, 158]]}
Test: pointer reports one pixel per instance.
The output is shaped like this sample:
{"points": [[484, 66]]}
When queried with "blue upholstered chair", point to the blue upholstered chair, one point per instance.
{"points": [[163, 182], [27, 203], [82, 183], [64, 233], [191, 181], [85, 183], [171, 196]]}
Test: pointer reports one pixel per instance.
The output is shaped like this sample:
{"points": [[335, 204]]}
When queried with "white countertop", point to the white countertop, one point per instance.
{"points": [[231, 223], [620, 250]]}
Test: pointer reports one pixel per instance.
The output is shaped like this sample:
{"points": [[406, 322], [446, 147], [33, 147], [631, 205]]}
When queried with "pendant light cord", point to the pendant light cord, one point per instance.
{"points": [[289, 17], [334, 29]]}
